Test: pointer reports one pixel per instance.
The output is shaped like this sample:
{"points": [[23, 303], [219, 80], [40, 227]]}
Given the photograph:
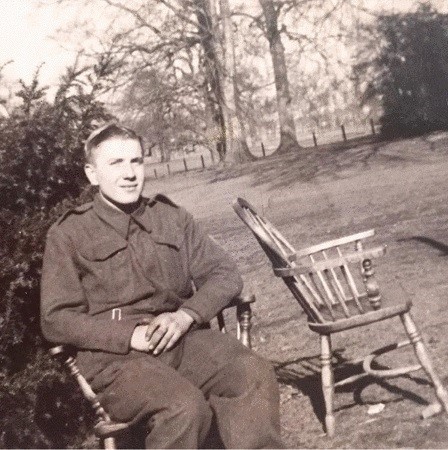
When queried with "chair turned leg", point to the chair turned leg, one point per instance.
{"points": [[425, 361], [327, 382], [109, 443], [244, 317]]}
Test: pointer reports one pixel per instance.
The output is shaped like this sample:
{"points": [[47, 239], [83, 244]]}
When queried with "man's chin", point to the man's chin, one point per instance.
{"points": [[128, 201], [122, 201]]}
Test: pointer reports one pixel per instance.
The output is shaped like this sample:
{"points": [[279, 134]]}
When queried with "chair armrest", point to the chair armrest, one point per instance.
{"points": [[325, 264], [242, 303], [241, 300], [61, 352]]}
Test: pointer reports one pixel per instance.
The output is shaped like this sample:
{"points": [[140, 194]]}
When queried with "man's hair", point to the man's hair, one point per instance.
{"points": [[106, 132]]}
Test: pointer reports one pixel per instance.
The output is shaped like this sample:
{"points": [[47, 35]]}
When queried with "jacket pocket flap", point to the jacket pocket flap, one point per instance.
{"points": [[171, 238], [103, 248]]}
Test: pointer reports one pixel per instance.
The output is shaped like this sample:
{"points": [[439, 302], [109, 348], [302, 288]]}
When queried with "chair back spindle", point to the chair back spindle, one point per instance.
{"points": [[332, 281]]}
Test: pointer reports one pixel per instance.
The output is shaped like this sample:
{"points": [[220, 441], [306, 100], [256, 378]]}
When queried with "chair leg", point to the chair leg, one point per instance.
{"points": [[327, 382], [424, 359], [244, 317], [109, 443]]}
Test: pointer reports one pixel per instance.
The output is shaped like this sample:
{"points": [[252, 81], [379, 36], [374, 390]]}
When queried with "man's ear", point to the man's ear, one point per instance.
{"points": [[90, 172]]}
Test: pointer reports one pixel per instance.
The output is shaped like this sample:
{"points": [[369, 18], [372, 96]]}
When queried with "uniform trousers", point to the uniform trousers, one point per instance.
{"points": [[215, 380]]}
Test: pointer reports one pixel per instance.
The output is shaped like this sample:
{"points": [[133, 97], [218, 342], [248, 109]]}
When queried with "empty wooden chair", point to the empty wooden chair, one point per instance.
{"points": [[105, 428], [334, 282]]}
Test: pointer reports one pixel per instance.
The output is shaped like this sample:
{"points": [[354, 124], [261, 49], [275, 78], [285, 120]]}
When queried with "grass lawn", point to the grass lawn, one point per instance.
{"points": [[400, 189]]}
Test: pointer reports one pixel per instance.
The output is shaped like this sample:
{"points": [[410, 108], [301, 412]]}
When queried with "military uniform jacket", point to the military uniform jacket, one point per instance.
{"points": [[105, 271]]}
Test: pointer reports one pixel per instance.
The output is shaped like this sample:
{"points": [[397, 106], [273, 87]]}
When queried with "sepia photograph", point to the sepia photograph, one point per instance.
{"points": [[222, 224]]}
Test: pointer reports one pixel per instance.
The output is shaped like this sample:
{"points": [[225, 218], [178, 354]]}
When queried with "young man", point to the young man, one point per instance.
{"points": [[117, 284]]}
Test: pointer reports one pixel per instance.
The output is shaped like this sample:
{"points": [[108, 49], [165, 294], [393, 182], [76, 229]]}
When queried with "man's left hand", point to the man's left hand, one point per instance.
{"points": [[166, 329]]}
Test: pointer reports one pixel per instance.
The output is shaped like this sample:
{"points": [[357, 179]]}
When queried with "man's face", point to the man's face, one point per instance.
{"points": [[118, 169]]}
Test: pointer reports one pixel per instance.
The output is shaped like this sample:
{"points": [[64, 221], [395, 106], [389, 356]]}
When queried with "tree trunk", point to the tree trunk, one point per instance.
{"points": [[288, 138], [212, 84], [165, 153], [237, 150]]}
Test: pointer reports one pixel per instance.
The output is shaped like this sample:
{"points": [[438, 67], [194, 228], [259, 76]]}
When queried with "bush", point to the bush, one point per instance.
{"points": [[41, 154], [40, 407], [411, 72], [41, 146]]}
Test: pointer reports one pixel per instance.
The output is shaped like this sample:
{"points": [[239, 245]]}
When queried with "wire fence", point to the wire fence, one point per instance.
{"points": [[315, 138]]}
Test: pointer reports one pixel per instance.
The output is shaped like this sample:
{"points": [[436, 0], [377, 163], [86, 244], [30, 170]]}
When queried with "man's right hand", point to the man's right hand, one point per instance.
{"points": [[162, 332], [138, 339]]}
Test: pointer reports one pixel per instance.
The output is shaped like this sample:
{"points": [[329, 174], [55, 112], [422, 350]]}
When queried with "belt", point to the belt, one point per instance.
{"points": [[116, 314]]}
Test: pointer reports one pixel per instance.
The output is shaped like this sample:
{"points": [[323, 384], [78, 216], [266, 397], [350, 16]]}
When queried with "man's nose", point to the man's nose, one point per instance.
{"points": [[128, 171]]}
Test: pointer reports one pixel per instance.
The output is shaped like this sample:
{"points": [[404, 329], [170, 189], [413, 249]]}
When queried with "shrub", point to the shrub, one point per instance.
{"points": [[410, 71], [41, 154]]}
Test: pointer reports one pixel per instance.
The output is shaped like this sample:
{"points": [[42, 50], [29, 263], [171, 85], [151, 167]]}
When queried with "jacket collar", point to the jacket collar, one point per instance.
{"points": [[142, 215], [118, 219]]}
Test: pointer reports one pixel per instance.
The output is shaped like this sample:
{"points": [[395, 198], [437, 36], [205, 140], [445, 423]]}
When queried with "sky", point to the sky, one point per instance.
{"points": [[28, 36], [26, 32]]}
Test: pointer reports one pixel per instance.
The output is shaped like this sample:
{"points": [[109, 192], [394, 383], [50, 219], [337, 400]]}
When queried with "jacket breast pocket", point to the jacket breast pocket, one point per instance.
{"points": [[105, 273], [172, 261]]}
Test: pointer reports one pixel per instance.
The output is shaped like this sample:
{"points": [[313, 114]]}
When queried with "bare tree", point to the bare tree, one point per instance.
{"points": [[180, 40], [236, 144], [191, 44], [288, 138]]}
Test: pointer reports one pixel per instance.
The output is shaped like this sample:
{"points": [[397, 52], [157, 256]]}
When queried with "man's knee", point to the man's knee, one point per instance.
{"points": [[256, 368], [184, 422], [247, 389], [190, 405], [248, 371]]}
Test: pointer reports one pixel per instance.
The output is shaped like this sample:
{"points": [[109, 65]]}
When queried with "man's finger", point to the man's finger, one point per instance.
{"points": [[150, 329], [158, 334], [158, 322], [164, 341], [173, 340]]}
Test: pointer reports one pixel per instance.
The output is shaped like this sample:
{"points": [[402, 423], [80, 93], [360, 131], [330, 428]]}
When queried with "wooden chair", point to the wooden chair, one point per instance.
{"points": [[105, 428], [337, 289]]}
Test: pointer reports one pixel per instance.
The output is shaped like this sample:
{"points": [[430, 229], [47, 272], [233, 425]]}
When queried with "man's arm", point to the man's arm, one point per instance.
{"points": [[213, 271], [64, 317], [216, 278]]}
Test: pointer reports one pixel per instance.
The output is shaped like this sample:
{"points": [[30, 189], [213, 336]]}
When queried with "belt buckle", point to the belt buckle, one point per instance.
{"points": [[116, 314]]}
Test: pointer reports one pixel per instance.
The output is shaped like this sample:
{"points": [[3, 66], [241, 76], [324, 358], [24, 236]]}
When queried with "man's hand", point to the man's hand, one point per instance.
{"points": [[166, 329], [138, 339], [162, 333]]}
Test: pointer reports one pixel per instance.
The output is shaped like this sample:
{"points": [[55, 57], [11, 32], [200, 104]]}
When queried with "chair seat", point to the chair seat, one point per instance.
{"points": [[361, 319]]}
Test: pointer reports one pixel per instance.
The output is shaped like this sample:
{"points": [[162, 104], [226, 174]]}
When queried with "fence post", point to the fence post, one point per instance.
{"points": [[263, 150], [155, 172], [168, 169], [314, 139], [185, 165], [202, 161], [344, 136], [372, 126]]}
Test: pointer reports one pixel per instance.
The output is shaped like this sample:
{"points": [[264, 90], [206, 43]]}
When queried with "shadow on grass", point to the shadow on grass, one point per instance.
{"points": [[283, 169], [429, 241], [305, 377]]}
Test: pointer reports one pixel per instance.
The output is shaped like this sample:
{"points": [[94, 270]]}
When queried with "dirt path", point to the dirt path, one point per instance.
{"points": [[398, 188]]}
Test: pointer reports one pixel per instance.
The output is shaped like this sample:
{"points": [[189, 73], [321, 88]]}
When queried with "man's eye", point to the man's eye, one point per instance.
{"points": [[138, 161], [115, 162]]}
